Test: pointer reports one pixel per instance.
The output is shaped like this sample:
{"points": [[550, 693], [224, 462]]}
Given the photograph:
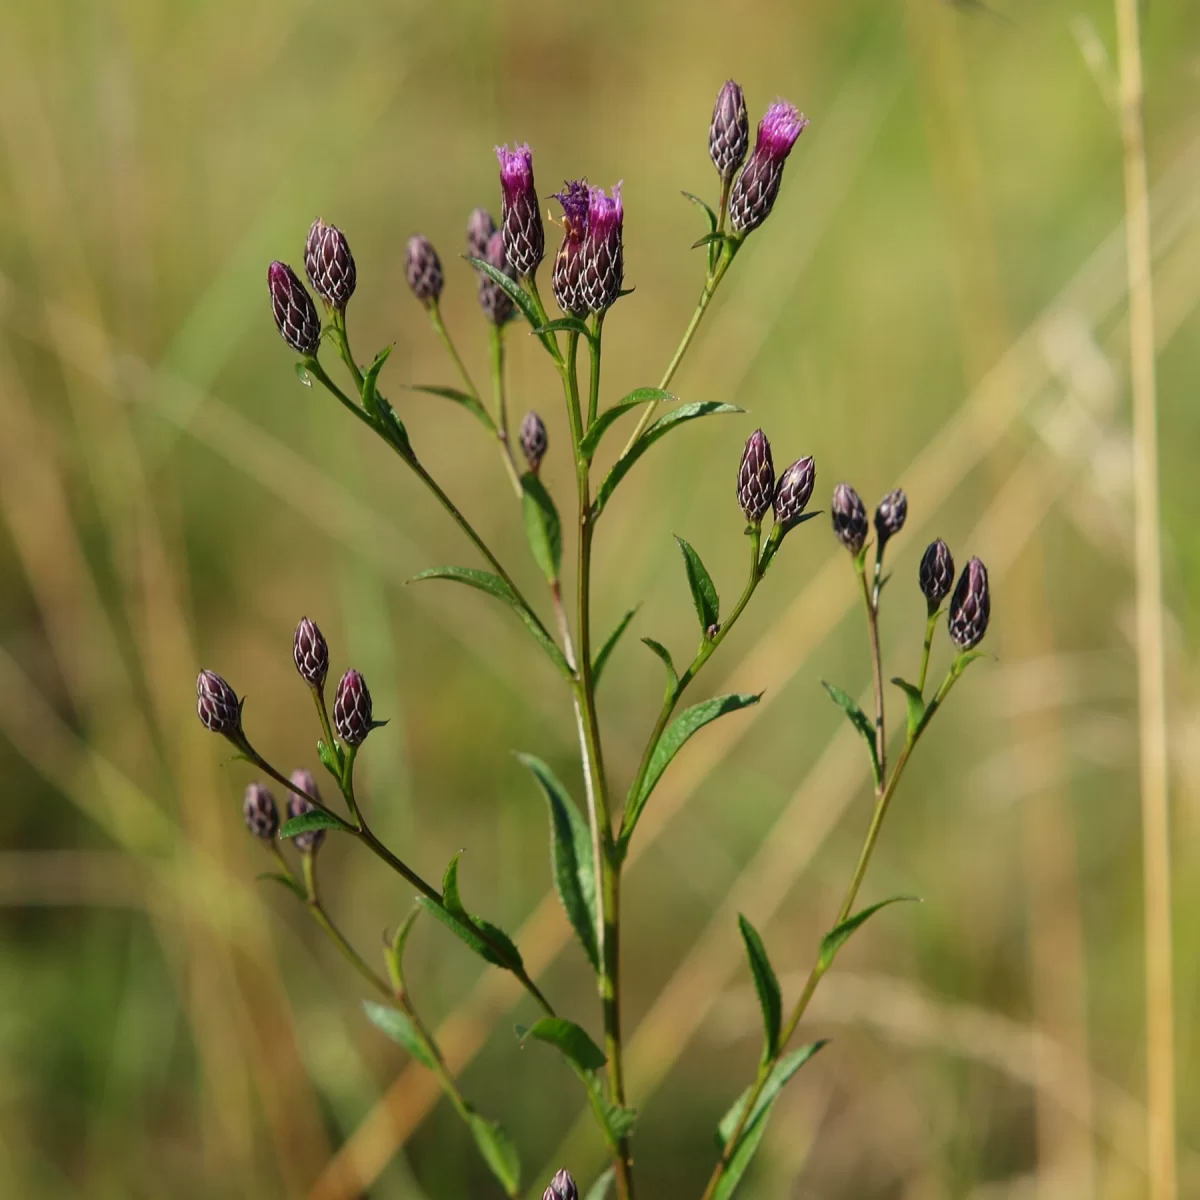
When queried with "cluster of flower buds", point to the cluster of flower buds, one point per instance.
{"points": [[520, 216], [590, 265], [330, 265], [293, 308], [423, 270], [562, 1187], [755, 189], [298, 805], [534, 440], [758, 490]]}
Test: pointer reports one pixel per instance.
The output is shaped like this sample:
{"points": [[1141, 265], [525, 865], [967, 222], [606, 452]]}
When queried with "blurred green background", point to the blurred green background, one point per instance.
{"points": [[937, 302]]}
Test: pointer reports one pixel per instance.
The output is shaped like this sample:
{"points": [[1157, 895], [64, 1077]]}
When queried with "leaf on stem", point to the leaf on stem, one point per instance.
{"points": [[766, 984], [664, 425], [570, 857], [704, 591], [755, 1127], [916, 705], [287, 881], [332, 759], [314, 819], [469, 402], [858, 719], [542, 526], [713, 238], [606, 650], [485, 581], [571, 1040], [489, 941], [393, 950], [599, 1189], [513, 290], [564, 325], [839, 935], [712, 216], [665, 655], [497, 1147], [370, 385], [964, 660], [400, 1028], [605, 421]]}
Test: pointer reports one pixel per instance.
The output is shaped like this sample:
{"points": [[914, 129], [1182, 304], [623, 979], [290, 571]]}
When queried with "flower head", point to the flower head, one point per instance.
{"points": [[793, 491], [423, 270], [521, 217], [566, 282], [352, 709], [310, 653], [890, 515], [562, 1187], [936, 574], [849, 518], [757, 187], [298, 805], [533, 440], [496, 303], [258, 808], [729, 132], [971, 606], [217, 704], [602, 256], [329, 264], [295, 313], [480, 227], [756, 478]]}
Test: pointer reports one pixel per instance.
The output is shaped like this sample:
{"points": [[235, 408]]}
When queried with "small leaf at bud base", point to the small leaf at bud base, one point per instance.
{"points": [[260, 812], [890, 515], [729, 132], [936, 574], [971, 606], [329, 264], [423, 270], [217, 705], [294, 312], [352, 709], [756, 478], [306, 843], [310, 653], [562, 1187], [849, 518], [793, 491], [534, 440]]}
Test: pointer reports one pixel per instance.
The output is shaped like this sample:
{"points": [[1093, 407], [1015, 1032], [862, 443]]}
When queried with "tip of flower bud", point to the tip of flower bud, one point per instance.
{"points": [[779, 129], [423, 269], [516, 167], [575, 199], [562, 1187], [352, 712], [729, 132], [310, 653], [217, 705], [971, 606], [605, 215], [849, 518], [891, 514]]}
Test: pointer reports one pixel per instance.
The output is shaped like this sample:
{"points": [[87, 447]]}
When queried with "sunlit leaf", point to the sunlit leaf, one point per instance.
{"points": [[399, 1027], [766, 984], [839, 935], [704, 591], [605, 421], [858, 719], [310, 821], [542, 525]]}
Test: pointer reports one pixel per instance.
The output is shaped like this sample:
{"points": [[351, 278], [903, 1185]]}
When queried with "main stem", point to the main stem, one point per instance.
{"points": [[871, 601], [496, 346]]}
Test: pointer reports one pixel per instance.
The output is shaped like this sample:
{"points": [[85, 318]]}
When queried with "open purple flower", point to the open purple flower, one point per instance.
{"points": [[756, 188], [566, 282], [521, 218]]}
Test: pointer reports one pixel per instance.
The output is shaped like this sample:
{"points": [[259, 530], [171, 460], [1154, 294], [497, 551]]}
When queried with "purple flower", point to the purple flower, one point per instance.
{"points": [[295, 313], [936, 574], [310, 653], [602, 256], [729, 133], [756, 478], [521, 217], [352, 709], [566, 282], [756, 188]]}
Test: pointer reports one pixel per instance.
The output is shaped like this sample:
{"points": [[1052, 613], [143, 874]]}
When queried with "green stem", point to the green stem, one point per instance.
{"points": [[496, 345], [549, 340], [930, 627], [339, 324], [871, 601], [594, 388], [435, 319]]}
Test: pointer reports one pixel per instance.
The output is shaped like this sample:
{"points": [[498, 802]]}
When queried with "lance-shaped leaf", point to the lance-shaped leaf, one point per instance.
{"points": [[497, 1149], [565, 325], [570, 857], [311, 820], [286, 881], [542, 526], [513, 290], [393, 950], [490, 942], [712, 216], [690, 721], [400, 1028], [605, 421], [661, 427], [610, 644], [916, 705], [665, 655], [571, 1040], [370, 385], [858, 719], [839, 935], [710, 239], [756, 1125], [485, 581], [600, 1189], [332, 759], [766, 984], [469, 402], [704, 591]]}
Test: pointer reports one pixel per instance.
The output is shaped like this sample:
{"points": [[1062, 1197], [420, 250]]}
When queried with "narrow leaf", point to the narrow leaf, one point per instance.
{"points": [[469, 402], [606, 650], [497, 1148], [331, 758], [566, 325], [542, 526], [704, 591], [599, 1190], [619, 1121], [858, 719], [464, 929], [709, 239], [604, 422], [513, 290], [287, 881], [393, 949], [399, 1027], [485, 581], [839, 935], [964, 660], [766, 984], [664, 425], [307, 822], [712, 216], [571, 1040], [450, 896], [916, 705], [370, 386], [570, 857], [665, 655]]}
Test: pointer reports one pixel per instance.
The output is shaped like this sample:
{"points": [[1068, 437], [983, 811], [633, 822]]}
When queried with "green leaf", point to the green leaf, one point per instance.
{"points": [[766, 984], [331, 758], [485, 581], [710, 239], [399, 1027], [858, 719], [665, 655], [712, 216], [513, 290], [469, 402], [313, 819], [570, 857], [542, 526], [839, 935], [287, 881], [450, 897], [690, 721], [916, 705], [704, 591], [604, 422], [606, 650], [599, 1189], [370, 387], [618, 1121], [661, 427], [489, 941], [966, 658], [497, 1149], [571, 1040], [565, 325], [756, 1125], [393, 950]]}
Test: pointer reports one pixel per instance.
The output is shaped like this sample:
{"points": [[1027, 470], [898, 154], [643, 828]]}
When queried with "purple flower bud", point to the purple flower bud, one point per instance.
{"points": [[262, 817], [849, 518], [329, 264], [754, 192], [562, 1187], [352, 709], [480, 227], [971, 606], [423, 269], [533, 440], [793, 491], [936, 574], [493, 299], [311, 653], [295, 313], [729, 133], [306, 843], [520, 216], [602, 256], [575, 199], [889, 516], [756, 477], [217, 705]]}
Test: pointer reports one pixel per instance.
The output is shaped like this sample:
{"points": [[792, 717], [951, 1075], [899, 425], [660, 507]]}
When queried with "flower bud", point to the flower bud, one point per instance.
{"points": [[493, 299], [352, 709], [756, 477], [793, 491], [423, 269], [754, 192], [936, 574], [729, 133], [602, 256], [562, 1187], [849, 518], [566, 281], [329, 264], [306, 843], [520, 216], [533, 440], [889, 516], [311, 653], [971, 606], [262, 817], [217, 704], [295, 313], [480, 227]]}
